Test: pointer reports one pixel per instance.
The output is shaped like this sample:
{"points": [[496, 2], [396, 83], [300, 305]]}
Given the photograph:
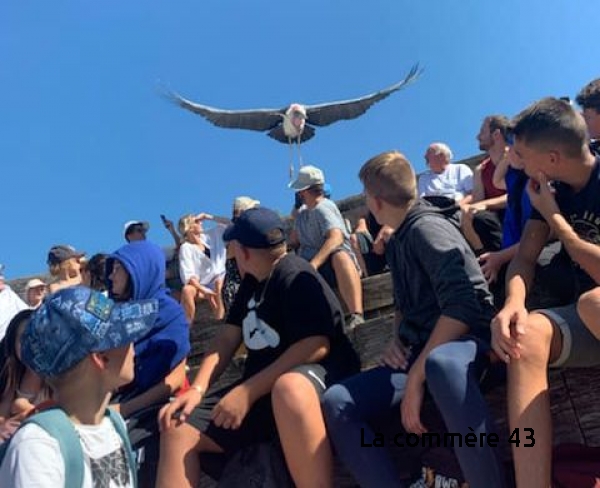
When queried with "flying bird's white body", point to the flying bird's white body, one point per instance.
{"points": [[294, 120]]}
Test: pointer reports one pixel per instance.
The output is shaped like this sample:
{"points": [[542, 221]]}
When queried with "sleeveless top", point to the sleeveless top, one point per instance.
{"points": [[487, 173]]}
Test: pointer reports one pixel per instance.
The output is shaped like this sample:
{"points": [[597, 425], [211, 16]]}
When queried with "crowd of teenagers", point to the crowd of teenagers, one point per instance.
{"points": [[94, 384]]}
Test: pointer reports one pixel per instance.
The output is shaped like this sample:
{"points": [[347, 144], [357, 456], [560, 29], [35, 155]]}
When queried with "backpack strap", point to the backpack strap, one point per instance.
{"points": [[119, 425], [58, 425]]}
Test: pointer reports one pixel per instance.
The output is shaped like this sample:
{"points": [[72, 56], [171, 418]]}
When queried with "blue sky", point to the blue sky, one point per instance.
{"points": [[87, 143]]}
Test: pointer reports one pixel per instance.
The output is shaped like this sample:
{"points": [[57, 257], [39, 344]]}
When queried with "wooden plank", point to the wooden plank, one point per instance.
{"points": [[378, 292], [583, 393]]}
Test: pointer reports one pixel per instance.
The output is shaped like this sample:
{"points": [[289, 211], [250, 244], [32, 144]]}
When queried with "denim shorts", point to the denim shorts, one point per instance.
{"points": [[579, 346]]}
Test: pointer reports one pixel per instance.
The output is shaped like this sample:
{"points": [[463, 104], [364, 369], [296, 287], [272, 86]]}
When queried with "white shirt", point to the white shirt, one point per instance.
{"points": [[33, 459], [455, 182], [193, 262], [10, 305]]}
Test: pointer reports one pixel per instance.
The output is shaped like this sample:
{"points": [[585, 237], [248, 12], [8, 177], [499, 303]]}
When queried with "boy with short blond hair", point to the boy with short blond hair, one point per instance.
{"points": [[443, 313]]}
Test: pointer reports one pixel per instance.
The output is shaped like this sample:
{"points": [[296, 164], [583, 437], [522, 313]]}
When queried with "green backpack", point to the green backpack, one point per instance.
{"points": [[58, 425]]}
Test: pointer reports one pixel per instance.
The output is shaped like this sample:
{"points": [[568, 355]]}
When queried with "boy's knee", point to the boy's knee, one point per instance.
{"points": [[588, 304], [344, 267], [174, 436], [441, 364], [338, 259], [536, 343], [335, 401], [292, 392]]}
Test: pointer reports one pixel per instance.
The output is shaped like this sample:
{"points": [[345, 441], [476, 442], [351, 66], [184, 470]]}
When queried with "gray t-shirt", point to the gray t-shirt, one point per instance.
{"points": [[313, 224]]}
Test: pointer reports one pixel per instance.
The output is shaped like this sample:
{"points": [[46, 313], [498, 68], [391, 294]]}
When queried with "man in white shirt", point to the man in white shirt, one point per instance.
{"points": [[10, 304], [442, 179]]}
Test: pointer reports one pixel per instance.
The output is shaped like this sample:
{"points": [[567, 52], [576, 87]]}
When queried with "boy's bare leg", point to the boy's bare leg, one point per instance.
{"points": [[297, 411], [348, 281], [528, 401], [179, 462], [588, 308]]}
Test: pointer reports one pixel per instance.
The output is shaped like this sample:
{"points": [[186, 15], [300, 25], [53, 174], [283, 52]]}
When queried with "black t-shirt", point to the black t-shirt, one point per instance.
{"points": [[582, 211], [291, 305]]}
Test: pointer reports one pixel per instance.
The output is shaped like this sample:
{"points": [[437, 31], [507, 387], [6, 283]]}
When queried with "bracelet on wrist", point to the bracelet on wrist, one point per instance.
{"points": [[199, 389]]}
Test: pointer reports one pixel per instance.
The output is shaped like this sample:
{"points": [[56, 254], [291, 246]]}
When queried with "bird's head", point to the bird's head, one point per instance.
{"points": [[296, 115]]}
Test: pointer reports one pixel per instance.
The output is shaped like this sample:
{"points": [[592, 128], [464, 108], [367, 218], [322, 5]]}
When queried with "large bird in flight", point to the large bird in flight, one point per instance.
{"points": [[295, 122]]}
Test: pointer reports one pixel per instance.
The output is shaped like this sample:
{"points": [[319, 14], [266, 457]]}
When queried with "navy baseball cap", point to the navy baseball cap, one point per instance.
{"points": [[74, 322], [58, 254], [257, 228]]}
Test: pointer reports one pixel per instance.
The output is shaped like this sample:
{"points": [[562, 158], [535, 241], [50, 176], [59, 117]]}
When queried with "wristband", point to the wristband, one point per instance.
{"points": [[199, 389]]}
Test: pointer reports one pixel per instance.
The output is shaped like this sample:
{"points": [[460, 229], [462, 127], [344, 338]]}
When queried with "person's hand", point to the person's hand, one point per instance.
{"points": [[381, 240], [231, 411], [491, 263], [169, 225], [179, 409], [395, 355], [541, 195], [207, 291], [507, 328], [410, 408], [205, 216], [204, 291], [470, 210], [8, 427], [379, 247]]}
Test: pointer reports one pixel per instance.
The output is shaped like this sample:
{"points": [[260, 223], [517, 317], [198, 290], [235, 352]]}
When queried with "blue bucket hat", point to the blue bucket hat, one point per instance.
{"points": [[257, 228], [76, 321]]}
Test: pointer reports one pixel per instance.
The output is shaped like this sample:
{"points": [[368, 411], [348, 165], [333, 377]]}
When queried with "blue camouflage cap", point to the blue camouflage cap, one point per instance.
{"points": [[76, 321]]}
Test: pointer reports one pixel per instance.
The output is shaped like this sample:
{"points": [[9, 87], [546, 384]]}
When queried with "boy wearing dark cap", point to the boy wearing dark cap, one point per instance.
{"points": [[81, 343], [291, 324], [64, 263]]}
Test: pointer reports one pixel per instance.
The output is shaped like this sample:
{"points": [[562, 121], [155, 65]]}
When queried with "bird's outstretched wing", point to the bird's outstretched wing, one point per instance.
{"points": [[328, 113], [260, 119]]}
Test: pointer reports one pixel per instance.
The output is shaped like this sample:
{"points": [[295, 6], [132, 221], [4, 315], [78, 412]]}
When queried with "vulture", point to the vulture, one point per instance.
{"points": [[296, 122]]}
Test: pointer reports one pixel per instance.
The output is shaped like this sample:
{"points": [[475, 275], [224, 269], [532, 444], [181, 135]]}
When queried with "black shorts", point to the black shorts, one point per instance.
{"points": [[259, 424]]}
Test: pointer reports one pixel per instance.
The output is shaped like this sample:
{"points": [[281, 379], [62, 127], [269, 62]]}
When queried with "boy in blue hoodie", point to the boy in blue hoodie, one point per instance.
{"points": [[136, 271], [440, 296]]}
